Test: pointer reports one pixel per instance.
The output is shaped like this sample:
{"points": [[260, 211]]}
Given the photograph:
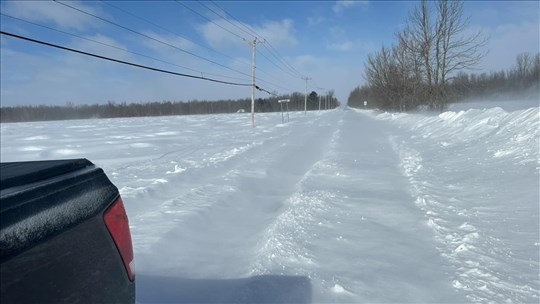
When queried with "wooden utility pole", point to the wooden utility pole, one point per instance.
{"points": [[305, 97], [254, 45]]}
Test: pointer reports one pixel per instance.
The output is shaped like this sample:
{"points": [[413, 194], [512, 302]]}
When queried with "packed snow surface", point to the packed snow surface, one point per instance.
{"points": [[338, 206]]}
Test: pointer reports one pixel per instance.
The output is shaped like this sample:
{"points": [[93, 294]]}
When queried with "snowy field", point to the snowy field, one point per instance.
{"points": [[340, 206]]}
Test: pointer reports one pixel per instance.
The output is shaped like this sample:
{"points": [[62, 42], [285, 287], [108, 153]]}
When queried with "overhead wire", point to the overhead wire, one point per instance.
{"points": [[252, 32], [133, 64], [266, 91], [238, 27], [121, 61], [276, 55], [152, 38], [181, 36], [279, 57], [162, 42], [171, 32], [284, 61], [273, 84], [277, 65], [315, 84], [119, 48], [211, 49], [209, 20], [235, 34]]}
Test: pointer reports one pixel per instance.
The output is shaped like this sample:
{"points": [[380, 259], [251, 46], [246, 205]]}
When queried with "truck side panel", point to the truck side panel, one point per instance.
{"points": [[54, 244], [67, 270]]}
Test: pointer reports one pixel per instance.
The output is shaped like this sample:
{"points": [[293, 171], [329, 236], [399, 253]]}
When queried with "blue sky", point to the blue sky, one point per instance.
{"points": [[325, 40]]}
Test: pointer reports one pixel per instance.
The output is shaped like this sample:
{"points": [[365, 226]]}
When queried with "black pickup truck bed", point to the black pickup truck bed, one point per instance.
{"points": [[64, 235]]}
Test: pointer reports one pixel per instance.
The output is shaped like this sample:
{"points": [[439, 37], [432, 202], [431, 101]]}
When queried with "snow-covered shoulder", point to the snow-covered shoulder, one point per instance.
{"points": [[475, 175]]}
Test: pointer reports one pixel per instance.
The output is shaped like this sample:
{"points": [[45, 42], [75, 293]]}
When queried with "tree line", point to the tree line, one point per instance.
{"points": [[111, 109], [522, 80], [425, 65]]}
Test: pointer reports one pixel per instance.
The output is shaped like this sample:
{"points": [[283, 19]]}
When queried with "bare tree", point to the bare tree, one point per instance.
{"points": [[438, 34], [535, 70], [393, 74], [418, 38], [377, 73], [524, 63], [396, 83]]}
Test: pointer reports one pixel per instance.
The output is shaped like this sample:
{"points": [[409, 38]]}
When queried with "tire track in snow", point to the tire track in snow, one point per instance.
{"points": [[353, 229], [231, 204], [183, 194]]}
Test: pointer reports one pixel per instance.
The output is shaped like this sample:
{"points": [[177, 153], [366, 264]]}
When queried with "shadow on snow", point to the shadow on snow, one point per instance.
{"points": [[257, 289]]}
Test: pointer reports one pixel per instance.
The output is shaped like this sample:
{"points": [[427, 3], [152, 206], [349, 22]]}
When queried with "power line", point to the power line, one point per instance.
{"points": [[293, 72], [208, 48], [133, 64], [116, 24], [252, 33], [162, 42], [119, 48], [271, 76], [234, 35], [273, 84], [225, 29], [169, 31], [284, 61], [277, 65], [121, 61], [211, 49], [152, 38], [317, 85], [256, 34], [266, 91], [229, 31]]}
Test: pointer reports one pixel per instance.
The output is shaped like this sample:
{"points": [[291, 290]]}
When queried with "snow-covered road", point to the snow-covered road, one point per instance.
{"points": [[339, 206]]}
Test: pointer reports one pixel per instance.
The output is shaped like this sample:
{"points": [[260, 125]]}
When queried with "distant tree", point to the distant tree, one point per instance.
{"points": [[313, 96]]}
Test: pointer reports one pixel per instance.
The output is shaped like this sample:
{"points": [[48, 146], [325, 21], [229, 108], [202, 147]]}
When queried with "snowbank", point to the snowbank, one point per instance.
{"points": [[475, 175]]}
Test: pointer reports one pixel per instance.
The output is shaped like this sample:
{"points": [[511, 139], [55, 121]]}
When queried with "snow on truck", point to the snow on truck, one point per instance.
{"points": [[64, 235]]}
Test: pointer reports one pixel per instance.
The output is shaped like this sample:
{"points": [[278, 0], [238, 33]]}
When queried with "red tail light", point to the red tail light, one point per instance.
{"points": [[118, 225]]}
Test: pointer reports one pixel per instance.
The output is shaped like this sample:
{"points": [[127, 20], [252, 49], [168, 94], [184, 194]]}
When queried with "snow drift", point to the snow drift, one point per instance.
{"points": [[336, 206]]}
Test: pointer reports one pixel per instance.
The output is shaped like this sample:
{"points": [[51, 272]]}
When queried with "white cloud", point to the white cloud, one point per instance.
{"points": [[329, 73], [279, 33], [171, 39], [347, 46], [337, 33], [340, 6], [506, 41], [304, 62], [312, 21], [339, 40], [344, 46], [65, 77], [55, 13], [240, 63], [56, 77], [108, 47]]}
